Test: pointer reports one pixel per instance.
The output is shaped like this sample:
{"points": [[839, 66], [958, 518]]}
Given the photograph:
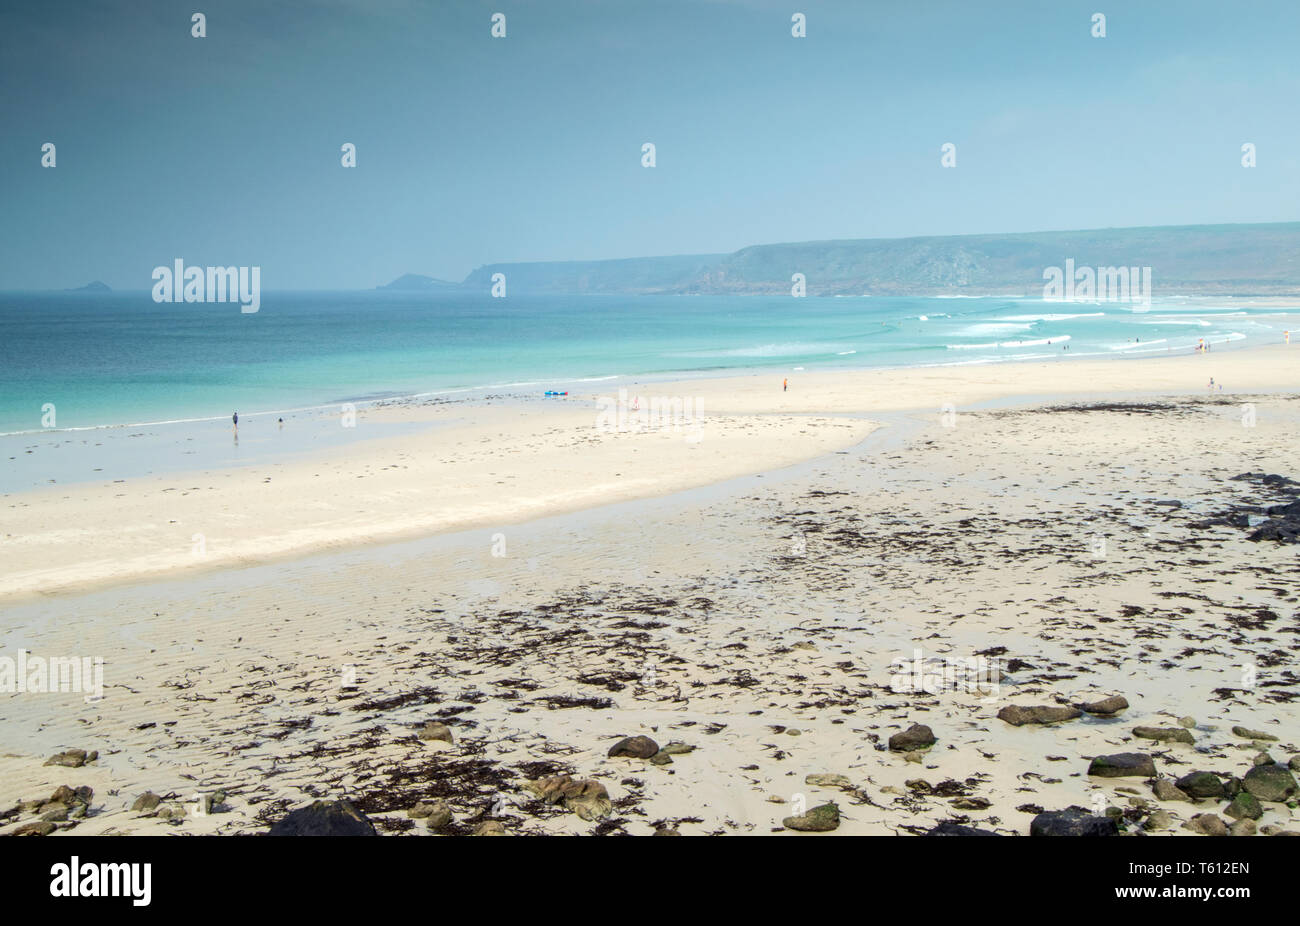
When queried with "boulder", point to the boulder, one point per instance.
{"points": [[1166, 790], [1165, 734], [325, 818], [1249, 734], [1073, 821], [1245, 806], [821, 819], [1106, 706], [72, 758], [1198, 785], [1207, 824], [957, 829], [435, 731], [1018, 715], [917, 736], [1270, 783], [635, 747], [584, 796], [146, 802], [1123, 765]]}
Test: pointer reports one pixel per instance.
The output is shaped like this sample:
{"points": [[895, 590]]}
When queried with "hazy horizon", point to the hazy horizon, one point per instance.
{"points": [[471, 150]]}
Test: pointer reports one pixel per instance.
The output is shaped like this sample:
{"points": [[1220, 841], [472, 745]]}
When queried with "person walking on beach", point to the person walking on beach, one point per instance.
{"points": [[785, 385], [235, 420]]}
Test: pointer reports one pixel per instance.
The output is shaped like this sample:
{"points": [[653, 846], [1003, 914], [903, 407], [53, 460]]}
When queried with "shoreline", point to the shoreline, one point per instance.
{"points": [[747, 427], [757, 621]]}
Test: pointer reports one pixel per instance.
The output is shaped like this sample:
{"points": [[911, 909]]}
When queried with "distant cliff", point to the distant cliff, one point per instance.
{"points": [[1206, 259], [414, 281]]}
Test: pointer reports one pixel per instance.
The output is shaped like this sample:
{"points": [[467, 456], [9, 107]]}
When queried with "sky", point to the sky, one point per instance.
{"points": [[225, 150]]}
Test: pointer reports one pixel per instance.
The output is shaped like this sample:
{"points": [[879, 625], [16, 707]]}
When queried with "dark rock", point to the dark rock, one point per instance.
{"points": [[1166, 790], [325, 818], [1106, 706], [1198, 785], [435, 731], [1165, 734], [71, 758], [1123, 765], [821, 819], [917, 736], [1018, 715], [635, 747], [1244, 806], [36, 828], [1207, 824], [1247, 733], [1074, 821], [1270, 783], [957, 829]]}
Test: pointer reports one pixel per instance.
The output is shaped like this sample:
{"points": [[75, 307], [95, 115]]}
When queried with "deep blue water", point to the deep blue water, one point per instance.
{"points": [[119, 358]]}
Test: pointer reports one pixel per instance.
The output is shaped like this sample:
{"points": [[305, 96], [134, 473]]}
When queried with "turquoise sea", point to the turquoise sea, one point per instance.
{"points": [[119, 358]]}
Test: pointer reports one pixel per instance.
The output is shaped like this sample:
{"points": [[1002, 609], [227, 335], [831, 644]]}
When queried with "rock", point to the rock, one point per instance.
{"points": [[1272, 829], [586, 797], [36, 828], [1106, 706], [1019, 715], [1159, 820], [146, 802], [661, 758], [439, 815], [1262, 758], [666, 831], [173, 811], [970, 803], [1074, 821], [490, 828], [420, 811], [1188, 722], [1294, 764], [917, 736], [1245, 806], [1247, 733], [1165, 734], [820, 819], [1197, 785], [211, 803], [829, 781], [676, 749], [325, 818], [72, 758], [635, 747], [1123, 765], [1270, 783], [957, 829], [1242, 828], [56, 813], [1206, 824], [1166, 790], [434, 731]]}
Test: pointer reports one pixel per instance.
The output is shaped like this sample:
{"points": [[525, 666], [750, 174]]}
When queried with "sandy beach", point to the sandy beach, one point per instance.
{"points": [[745, 587]]}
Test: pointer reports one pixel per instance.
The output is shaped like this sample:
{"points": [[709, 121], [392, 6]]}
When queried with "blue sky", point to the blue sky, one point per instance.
{"points": [[470, 150]]}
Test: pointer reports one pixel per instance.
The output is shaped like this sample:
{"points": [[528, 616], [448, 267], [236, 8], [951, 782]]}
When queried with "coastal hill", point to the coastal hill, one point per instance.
{"points": [[1194, 259], [417, 282], [93, 287]]}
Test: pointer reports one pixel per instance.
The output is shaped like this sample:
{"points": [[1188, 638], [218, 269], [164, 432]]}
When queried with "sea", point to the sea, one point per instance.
{"points": [[106, 360]]}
